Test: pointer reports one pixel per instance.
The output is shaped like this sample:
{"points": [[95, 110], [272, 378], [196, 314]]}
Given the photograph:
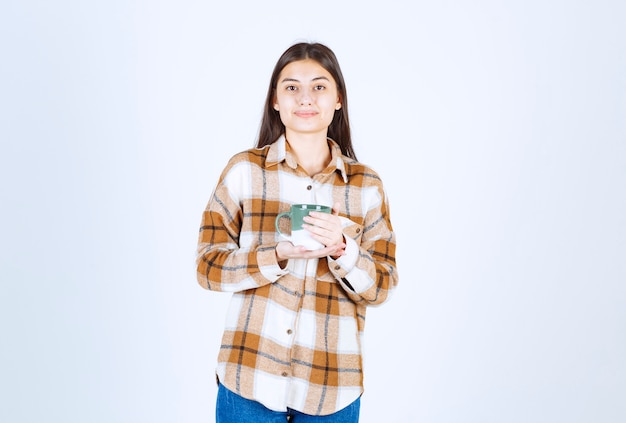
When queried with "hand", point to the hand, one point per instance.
{"points": [[286, 250], [325, 227]]}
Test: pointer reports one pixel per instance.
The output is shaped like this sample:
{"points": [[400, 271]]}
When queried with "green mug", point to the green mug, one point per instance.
{"points": [[300, 236]]}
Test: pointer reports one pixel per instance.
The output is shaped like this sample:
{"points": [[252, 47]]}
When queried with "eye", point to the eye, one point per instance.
{"points": [[291, 88], [319, 87]]}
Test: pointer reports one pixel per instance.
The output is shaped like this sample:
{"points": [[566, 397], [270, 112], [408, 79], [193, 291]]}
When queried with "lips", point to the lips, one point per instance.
{"points": [[305, 113]]}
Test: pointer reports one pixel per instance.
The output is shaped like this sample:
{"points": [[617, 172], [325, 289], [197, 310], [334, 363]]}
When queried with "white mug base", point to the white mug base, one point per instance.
{"points": [[303, 238]]}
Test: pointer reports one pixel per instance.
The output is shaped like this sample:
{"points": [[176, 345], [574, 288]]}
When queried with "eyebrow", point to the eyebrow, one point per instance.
{"points": [[318, 78]]}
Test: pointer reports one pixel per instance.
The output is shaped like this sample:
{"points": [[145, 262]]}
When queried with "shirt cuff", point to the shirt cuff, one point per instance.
{"points": [[268, 263], [341, 266], [348, 260]]}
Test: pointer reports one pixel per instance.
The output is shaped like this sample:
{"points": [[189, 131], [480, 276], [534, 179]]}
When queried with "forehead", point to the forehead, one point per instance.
{"points": [[303, 71]]}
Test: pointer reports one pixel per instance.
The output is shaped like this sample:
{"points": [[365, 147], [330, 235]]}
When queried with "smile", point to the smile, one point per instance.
{"points": [[305, 113]]}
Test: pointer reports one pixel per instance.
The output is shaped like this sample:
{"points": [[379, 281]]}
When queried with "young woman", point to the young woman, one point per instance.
{"points": [[292, 345]]}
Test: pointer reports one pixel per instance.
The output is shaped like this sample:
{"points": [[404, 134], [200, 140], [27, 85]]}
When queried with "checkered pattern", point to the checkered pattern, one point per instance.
{"points": [[293, 336]]}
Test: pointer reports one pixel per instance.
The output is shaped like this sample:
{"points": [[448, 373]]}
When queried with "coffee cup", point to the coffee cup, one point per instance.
{"points": [[299, 235]]}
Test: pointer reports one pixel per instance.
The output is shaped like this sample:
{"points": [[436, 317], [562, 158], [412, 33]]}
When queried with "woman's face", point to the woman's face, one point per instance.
{"points": [[306, 98]]}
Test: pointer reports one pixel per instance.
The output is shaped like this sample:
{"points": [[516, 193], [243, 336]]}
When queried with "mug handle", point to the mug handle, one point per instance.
{"points": [[278, 216]]}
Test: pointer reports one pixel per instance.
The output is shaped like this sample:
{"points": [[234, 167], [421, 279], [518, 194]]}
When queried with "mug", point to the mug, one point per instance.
{"points": [[300, 236]]}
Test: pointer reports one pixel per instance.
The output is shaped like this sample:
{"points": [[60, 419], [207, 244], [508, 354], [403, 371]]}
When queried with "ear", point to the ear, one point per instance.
{"points": [[276, 106]]}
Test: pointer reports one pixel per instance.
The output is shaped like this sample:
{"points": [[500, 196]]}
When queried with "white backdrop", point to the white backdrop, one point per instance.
{"points": [[499, 131]]}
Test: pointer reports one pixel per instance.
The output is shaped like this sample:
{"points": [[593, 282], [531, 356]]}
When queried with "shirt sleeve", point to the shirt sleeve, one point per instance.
{"points": [[223, 264], [368, 269]]}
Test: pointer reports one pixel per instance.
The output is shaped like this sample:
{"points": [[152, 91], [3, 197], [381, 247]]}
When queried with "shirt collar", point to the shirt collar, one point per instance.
{"points": [[279, 152]]}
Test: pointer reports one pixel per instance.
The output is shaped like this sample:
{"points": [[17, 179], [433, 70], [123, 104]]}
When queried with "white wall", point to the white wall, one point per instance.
{"points": [[499, 131]]}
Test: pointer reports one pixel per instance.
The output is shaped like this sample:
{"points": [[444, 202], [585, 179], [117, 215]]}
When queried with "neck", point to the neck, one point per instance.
{"points": [[312, 152]]}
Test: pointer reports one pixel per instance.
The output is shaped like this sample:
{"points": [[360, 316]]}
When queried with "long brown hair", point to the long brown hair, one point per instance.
{"points": [[339, 129]]}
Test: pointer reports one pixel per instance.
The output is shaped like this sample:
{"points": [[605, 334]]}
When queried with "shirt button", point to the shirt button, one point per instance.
{"points": [[289, 331], [358, 230], [284, 374], [337, 267], [309, 187]]}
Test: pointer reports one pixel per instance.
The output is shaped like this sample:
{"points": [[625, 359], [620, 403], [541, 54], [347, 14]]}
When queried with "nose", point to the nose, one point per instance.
{"points": [[305, 98]]}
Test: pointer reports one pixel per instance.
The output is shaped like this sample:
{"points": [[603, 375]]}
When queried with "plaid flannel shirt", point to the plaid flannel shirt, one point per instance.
{"points": [[293, 336]]}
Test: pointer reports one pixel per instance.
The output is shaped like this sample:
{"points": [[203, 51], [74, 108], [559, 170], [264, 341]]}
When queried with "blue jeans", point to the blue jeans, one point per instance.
{"points": [[232, 408]]}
